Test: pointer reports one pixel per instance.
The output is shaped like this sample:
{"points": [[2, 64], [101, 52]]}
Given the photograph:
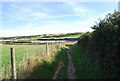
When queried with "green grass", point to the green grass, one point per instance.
{"points": [[84, 67], [48, 64], [22, 52], [47, 68], [50, 37], [60, 37], [63, 57]]}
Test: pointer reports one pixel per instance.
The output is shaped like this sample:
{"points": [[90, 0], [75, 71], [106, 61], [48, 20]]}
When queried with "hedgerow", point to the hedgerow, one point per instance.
{"points": [[103, 45]]}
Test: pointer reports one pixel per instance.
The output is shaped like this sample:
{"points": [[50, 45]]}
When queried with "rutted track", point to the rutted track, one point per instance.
{"points": [[71, 67], [58, 70]]}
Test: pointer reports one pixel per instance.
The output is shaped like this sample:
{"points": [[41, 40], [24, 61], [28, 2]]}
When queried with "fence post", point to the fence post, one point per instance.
{"points": [[59, 44], [13, 64], [47, 50]]}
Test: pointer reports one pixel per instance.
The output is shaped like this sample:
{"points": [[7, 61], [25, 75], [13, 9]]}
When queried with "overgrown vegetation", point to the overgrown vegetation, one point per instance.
{"points": [[48, 65], [102, 46], [84, 66], [22, 53]]}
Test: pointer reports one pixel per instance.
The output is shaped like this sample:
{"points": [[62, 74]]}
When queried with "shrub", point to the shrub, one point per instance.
{"points": [[104, 43]]}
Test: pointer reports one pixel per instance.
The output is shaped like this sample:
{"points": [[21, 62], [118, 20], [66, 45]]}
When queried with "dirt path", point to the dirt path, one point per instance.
{"points": [[58, 70], [71, 67]]}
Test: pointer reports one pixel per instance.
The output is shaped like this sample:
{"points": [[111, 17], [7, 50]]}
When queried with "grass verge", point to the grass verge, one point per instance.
{"points": [[48, 65], [84, 67]]}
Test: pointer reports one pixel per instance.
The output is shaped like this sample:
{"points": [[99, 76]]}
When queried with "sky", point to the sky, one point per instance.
{"points": [[35, 18]]}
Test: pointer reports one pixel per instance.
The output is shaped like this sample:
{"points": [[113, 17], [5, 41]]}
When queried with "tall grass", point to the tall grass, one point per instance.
{"points": [[22, 53], [27, 57], [84, 66], [48, 65]]}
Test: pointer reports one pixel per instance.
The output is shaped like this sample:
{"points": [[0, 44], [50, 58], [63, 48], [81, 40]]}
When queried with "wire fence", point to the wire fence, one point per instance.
{"points": [[23, 55]]}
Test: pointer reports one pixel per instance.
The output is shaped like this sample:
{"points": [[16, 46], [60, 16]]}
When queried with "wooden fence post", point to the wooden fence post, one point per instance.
{"points": [[59, 44], [13, 64], [47, 50]]}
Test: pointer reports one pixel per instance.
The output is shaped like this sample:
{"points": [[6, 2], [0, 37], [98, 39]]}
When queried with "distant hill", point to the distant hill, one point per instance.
{"points": [[44, 36]]}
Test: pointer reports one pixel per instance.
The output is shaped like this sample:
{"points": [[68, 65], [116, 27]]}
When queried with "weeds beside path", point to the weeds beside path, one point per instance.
{"points": [[52, 67], [84, 67], [70, 67], [69, 62]]}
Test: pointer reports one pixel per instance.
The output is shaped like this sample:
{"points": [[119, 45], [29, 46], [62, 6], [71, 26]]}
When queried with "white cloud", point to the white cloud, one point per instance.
{"points": [[38, 15], [78, 9], [5, 33], [42, 29], [62, 16], [20, 12], [87, 24], [53, 27], [31, 27], [33, 12]]}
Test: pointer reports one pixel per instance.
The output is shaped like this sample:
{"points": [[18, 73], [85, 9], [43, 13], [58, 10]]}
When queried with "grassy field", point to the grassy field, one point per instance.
{"points": [[61, 37], [22, 52], [47, 66], [54, 36]]}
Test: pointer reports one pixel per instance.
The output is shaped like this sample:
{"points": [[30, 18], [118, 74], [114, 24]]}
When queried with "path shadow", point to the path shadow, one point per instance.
{"points": [[46, 68]]}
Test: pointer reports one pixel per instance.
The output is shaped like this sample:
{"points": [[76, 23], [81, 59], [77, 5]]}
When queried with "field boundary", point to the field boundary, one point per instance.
{"points": [[14, 66]]}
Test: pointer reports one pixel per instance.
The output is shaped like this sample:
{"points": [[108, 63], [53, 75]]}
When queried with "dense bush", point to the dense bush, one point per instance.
{"points": [[103, 44]]}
